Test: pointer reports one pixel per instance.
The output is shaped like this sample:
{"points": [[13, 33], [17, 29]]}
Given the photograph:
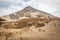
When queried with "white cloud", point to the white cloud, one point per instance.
{"points": [[49, 6], [13, 6], [15, 1]]}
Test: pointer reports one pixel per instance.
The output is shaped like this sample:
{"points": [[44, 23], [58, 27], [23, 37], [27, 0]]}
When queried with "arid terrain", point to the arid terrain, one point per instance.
{"points": [[29, 24]]}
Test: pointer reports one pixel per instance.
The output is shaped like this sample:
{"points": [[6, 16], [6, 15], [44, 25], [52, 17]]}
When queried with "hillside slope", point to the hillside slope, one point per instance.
{"points": [[28, 12]]}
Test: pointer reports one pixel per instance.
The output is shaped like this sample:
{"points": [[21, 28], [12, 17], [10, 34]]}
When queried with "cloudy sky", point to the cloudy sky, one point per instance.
{"points": [[11, 6]]}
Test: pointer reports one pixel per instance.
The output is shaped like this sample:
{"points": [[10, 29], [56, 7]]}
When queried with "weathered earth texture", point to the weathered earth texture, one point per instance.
{"points": [[33, 25]]}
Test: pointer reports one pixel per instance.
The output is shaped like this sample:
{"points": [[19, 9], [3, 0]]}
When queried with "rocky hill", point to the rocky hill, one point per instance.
{"points": [[28, 12], [31, 24]]}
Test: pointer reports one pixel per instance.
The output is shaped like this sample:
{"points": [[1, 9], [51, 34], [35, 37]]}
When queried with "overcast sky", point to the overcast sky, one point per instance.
{"points": [[11, 6]]}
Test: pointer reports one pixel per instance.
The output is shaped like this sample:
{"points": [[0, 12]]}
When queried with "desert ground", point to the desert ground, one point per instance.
{"points": [[30, 29]]}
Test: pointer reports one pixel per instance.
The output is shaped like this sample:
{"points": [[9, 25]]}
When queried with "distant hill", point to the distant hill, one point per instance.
{"points": [[28, 12]]}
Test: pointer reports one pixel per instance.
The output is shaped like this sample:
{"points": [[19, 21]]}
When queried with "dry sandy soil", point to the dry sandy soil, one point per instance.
{"points": [[30, 29]]}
